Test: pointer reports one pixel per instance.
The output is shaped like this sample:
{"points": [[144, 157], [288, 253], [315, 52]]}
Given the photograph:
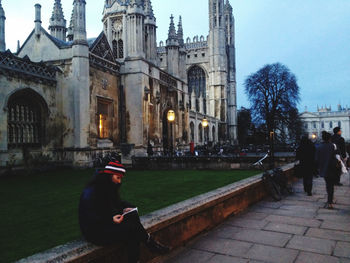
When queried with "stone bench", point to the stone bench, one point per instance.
{"points": [[174, 225]]}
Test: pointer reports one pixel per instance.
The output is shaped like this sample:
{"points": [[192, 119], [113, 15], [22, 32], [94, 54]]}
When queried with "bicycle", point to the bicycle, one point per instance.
{"points": [[276, 183]]}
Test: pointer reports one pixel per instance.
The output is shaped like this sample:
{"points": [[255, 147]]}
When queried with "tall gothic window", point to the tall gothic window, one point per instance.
{"points": [[120, 48], [25, 120], [200, 133], [192, 131], [213, 134], [197, 81], [104, 118], [115, 48]]}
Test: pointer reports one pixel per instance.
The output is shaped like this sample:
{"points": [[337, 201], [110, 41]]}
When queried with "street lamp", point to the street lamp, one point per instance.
{"points": [[171, 119], [205, 126], [205, 122]]}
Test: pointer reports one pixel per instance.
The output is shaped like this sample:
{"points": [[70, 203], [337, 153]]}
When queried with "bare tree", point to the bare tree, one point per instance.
{"points": [[273, 93]]}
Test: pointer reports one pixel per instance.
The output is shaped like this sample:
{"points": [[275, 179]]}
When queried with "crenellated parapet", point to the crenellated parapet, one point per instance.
{"points": [[196, 43]]}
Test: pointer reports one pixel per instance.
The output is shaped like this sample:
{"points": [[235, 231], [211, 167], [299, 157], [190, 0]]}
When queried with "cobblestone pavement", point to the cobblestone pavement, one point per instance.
{"points": [[297, 229]]}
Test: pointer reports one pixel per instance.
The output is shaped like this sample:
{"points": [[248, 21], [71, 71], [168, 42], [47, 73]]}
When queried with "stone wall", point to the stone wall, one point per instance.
{"points": [[174, 225]]}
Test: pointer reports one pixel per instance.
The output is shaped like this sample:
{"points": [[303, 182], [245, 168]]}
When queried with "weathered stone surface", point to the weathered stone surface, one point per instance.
{"points": [[263, 237], [225, 231], [311, 244], [191, 256], [294, 220], [253, 215], [284, 228], [342, 249], [342, 226], [307, 257], [272, 254], [247, 223], [223, 246], [329, 234], [224, 259]]}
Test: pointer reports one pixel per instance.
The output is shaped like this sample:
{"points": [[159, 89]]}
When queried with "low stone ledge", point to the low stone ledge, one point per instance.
{"points": [[173, 225]]}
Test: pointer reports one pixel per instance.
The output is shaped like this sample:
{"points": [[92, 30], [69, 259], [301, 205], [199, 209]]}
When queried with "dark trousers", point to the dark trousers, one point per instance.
{"points": [[130, 232], [307, 181], [330, 189]]}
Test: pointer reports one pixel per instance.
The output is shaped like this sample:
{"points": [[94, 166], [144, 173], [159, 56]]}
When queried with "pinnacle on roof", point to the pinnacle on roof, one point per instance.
{"points": [[172, 31], [180, 32], [149, 9], [228, 6], [57, 13], [70, 32]]}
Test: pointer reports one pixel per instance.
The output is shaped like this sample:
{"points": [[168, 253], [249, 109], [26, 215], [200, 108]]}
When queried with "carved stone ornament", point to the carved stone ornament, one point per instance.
{"points": [[118, 25]]}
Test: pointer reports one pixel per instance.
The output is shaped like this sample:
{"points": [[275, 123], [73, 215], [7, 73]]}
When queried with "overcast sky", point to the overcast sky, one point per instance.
{"points": [[310, 37]]}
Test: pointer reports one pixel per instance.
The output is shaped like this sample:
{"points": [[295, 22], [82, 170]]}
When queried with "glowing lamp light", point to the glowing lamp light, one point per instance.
{"points": [[171, 116], [313, 136], [205, 122]]}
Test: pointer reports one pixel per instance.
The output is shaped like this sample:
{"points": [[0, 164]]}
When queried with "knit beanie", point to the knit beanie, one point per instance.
{"points": [[336, 130], [114, 167]]}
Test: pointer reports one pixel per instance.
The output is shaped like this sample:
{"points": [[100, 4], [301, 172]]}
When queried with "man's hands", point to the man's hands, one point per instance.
{"points": [[118, 219]]}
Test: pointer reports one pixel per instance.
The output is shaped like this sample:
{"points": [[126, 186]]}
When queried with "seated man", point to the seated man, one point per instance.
{"points": [[102, 216]]}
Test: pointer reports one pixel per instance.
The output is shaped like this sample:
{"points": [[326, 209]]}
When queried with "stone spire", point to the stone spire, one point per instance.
{"points": [[2, 29], [180, 32], [57, 22], [70, 32], [149, 9], [228, 6], [172, 36]]}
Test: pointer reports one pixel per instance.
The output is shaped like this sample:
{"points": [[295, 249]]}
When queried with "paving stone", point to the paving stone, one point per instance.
{"points": [[224, 231], [272, 254], [224, 259], [344, 260], [253, 215], [247, 223], [192, 256], [307, 257], [296, 213], [260, 209], [302, 203], [329, 234], [299, 208], [312, 244], [334, 218], [294, 220], [223, 246], [284, 228], [269, 204], [342, 226], [342, 249], [263, 237]]}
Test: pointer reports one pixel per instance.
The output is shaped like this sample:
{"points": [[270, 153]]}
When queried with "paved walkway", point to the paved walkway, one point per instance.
{"points": [[295, 230]]}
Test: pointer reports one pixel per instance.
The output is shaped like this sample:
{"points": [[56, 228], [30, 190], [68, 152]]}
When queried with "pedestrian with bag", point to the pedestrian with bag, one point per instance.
{"points": [[339, 141], [327, 165], [106, 219], [306, 155]]}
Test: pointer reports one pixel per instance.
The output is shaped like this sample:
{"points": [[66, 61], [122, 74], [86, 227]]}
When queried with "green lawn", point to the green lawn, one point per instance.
{"points": [[40, 211]]}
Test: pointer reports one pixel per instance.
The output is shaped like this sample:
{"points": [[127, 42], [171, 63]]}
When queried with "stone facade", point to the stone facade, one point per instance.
{"points": [[117, 88], [326, 120]]}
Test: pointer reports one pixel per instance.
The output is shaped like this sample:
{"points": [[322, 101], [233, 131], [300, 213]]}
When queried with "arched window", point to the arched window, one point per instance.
{"points": [[120, 48], [200, 133], [26, 119], [192, 131], [197, 81], [115, 48], [213, 134]]}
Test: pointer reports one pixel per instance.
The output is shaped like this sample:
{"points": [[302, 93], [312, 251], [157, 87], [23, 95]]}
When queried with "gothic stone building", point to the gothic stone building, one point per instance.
{"points": [[72, 97]]}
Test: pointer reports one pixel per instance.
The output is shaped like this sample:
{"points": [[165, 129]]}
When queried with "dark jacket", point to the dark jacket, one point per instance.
{"points": [[99, 202], [340, 142], [306, 156], [325, 158]]}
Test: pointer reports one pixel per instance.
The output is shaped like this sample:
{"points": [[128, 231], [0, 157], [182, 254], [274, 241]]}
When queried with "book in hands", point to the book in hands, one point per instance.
{"points": [[134, 210]]}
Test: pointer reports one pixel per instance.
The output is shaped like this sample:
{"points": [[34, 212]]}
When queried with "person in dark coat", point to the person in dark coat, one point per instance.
{"points": [[325, 155], [338, 140], [102, 216], [306, 156]]}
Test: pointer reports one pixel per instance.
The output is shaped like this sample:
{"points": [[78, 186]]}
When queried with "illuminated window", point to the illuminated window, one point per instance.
{"points": [[103, 118]]}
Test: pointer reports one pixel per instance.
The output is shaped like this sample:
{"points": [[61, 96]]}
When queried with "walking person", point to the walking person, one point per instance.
{"points": [[306, 155], [325, 159], [339, 141], [102, 214]]}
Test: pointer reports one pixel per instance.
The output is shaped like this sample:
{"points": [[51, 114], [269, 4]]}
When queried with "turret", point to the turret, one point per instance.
{"points": [[180, 33], [2, 29], [150, 32], [70, 31], [57, 22], [135, 32], [37, 20], [79, 22], [172, 49]]}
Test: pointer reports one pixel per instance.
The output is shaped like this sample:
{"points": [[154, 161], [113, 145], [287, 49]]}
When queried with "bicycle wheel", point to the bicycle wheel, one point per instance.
{"points": [[272, 188]]}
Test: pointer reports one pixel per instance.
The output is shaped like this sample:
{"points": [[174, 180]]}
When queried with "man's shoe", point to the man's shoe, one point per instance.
{"points": [[328, 206], [156, 247]]}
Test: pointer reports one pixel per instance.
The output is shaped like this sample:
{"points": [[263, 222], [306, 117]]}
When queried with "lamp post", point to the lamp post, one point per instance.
{"points": [[205, 125], [171, 119], [272, 150]]}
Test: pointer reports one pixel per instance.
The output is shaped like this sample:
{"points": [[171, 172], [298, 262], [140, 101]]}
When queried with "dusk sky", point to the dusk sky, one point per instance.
{"points": [[310, 37]]}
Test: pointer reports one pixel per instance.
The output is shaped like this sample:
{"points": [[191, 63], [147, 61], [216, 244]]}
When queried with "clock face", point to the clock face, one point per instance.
{"points": [[117, 25]]}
